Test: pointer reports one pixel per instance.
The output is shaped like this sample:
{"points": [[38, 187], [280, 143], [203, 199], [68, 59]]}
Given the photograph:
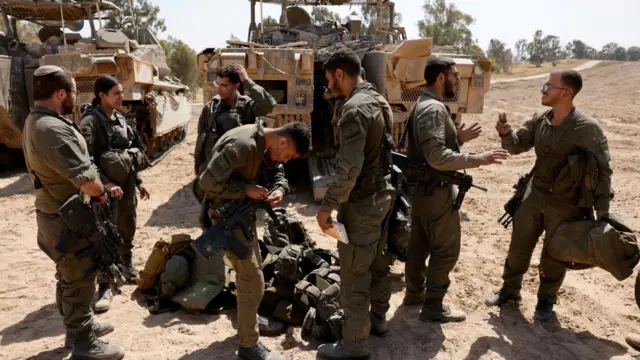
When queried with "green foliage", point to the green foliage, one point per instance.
{"points": [[371, 21], [321, 15], [500, 55], [270, 20], [633, 53], [521, 49], [145, 15], [181, 59], [447, 25], [545, 48]]}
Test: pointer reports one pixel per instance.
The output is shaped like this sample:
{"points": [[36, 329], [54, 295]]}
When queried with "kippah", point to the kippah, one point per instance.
{"points": [[46, 70]]}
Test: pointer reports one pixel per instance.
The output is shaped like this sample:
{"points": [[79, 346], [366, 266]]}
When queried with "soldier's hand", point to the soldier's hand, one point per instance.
{"points": [[493, 157], [256, 192], [323, 216], [239, 69], [275, 198], [466, 135], [114, 190], [502, 126], [144, 193]]}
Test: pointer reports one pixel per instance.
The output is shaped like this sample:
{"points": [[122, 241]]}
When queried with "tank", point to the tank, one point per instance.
{"points": [[287, 60], [157, 105]]}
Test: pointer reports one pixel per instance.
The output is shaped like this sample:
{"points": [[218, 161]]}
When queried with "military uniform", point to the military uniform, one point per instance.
{"points": [[435, 224], [235, 162], [551, 197], [218, 117], [363, 195], [110, 143], [58, 163]]}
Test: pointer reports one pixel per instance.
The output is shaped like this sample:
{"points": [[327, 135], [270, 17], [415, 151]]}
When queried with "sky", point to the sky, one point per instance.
{"points": [[209, 23]]}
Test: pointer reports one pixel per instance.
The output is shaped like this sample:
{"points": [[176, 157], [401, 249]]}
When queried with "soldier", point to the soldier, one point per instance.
{"points": [[231, 173], [226, 111], [59, 165], [555, 134], [435, 223], [363, 195], [110, 143]]}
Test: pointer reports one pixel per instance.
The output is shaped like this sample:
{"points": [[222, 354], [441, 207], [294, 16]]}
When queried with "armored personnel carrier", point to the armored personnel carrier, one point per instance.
{"points": [[287, 60], [157, 105]]}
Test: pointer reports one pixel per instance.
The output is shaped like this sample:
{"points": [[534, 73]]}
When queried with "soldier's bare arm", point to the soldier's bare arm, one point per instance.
{"points": [[352, 134], [216, 180], [520, 141]]}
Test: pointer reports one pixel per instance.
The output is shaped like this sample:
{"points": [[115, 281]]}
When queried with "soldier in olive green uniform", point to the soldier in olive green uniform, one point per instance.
{"points": [[59, 165], [111, 144], [227, 110], [555, 135], [232, 173], [363, 195], [435, 224]]}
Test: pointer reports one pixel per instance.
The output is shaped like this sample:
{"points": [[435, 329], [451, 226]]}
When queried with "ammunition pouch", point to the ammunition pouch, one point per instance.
{"points": [[320, 290], [330, 331], [288, 265], [117, 165], [295, 234]]}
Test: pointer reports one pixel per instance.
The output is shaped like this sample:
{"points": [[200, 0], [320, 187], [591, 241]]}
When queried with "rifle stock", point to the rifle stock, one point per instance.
{"points": [[421, 168], [220, 235], [511, 206]]}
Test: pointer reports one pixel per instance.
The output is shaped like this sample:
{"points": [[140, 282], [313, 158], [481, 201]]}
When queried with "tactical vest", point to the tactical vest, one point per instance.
{"points": [[121, 159], [219, 122]]}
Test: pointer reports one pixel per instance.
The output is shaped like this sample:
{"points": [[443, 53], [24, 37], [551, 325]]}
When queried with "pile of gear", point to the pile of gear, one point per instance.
{"points": [[302, 282]]}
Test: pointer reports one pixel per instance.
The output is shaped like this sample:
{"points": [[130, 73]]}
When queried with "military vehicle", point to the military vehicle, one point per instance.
{"points": [[287, 60], [157, 105]]}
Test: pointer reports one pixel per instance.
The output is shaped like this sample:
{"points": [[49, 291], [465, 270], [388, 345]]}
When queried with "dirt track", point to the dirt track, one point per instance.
{"points": [[594, 314]]}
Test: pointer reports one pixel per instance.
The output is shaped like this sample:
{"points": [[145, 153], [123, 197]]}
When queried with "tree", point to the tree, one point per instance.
{"points": [[552, 50], [145, 16], [270, 20], [633, 53], [578, 49], [609, 51], [496, 49], [321, 15], [620, 54], [370, 21], [506, 60], [181, 59], [521, 49], [447, 25], [536, 49]]}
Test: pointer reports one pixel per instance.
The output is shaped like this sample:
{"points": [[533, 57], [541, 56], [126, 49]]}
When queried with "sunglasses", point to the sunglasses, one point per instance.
{"points": [[546, 86]]}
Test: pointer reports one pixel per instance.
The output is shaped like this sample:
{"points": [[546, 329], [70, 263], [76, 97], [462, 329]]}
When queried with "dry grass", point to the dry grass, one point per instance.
{"points": [[527, 69]]}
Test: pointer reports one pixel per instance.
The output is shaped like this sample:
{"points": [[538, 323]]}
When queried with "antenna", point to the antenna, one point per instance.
{"points": [[64, 37]]}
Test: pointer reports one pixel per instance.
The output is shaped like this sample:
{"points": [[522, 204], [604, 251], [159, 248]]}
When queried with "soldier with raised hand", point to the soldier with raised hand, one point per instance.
{"points": [[233, 173], [227, 110], [59, 165], [363, 195], [435, 223], [550, 199]]}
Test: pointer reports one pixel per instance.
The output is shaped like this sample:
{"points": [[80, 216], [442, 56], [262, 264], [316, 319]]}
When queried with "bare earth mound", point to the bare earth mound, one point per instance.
{"points": [[594, 313]]}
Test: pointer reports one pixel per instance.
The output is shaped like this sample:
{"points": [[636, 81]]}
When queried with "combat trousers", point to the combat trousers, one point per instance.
{"points": [[435, 233], [538, 212], [76, 277], [250, 287], [364, 271], [124, 216]]}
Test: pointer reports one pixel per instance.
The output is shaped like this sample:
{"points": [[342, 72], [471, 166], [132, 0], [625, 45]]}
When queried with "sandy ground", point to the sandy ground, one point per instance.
{"points": [[594, 314]]}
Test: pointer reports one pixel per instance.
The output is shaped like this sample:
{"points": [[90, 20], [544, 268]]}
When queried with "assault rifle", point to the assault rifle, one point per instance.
{"points": [[462, 180], [514, 203], [93, 222], [234, 213]]}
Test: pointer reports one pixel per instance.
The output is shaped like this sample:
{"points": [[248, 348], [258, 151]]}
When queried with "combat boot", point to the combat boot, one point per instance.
{"points": [[258, 352], [105, 296], [435, 310], [128, 270], [633, 340], [336, 351], [411, 299], [544, 310], [270, 327], [100, 329], [502, 297], [88, 347], [379, 325]]}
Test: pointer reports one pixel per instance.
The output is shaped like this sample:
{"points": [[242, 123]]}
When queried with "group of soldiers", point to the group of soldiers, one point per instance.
{"points": [[233, 147]]}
